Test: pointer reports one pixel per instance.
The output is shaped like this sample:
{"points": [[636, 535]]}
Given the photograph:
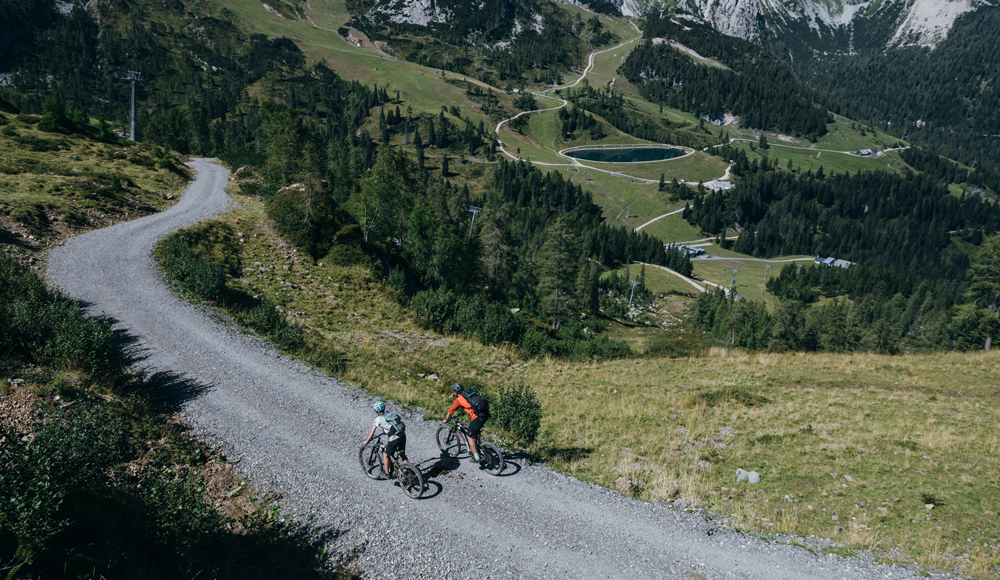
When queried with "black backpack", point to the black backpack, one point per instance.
{"points": [[478, 403]]}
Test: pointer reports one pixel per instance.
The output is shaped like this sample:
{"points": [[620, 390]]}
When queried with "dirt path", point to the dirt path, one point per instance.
{"points": [[296, 432]]}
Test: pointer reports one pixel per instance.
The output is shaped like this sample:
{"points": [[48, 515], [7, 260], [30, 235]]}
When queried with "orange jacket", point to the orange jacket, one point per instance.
{"points": [[461, 402]]}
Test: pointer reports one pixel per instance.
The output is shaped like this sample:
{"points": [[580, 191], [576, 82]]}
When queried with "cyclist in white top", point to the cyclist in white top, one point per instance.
{"points": [[392, 425]]}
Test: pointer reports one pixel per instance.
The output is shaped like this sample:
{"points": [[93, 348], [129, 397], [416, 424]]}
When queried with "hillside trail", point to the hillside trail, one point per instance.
{"points": [[294, 432]]}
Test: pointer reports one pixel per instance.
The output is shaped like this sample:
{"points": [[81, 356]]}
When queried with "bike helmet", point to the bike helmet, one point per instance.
{"points": [[379, 406], [457, 388]]}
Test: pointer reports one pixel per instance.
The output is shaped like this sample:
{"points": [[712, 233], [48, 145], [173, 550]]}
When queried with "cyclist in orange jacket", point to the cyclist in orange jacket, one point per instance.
{"points": [[475, 424]]}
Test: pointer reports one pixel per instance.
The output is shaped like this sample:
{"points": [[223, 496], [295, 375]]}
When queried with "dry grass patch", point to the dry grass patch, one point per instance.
{"points": [[863, 438]]}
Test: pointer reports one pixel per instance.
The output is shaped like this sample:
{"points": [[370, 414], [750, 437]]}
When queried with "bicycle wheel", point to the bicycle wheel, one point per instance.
{"points": [[448, 440], [371, 461], [493, 461], [411, 480]]}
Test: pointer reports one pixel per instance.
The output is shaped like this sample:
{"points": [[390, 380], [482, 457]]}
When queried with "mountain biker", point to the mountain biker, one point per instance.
{"points": [[476, 422], [392, 425]]}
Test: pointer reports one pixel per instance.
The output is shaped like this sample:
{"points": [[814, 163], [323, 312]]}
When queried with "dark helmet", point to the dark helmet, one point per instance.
{"points": [[456, 388]]}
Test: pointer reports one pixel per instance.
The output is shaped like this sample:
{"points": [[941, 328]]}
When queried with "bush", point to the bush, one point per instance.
{"points": [[179, 518], [217, 242], [203, 279], [516, 411], [264, 318], [535, 341], [433, 308], [673, 349], [71, 446], [289, 337], [41, 325], [469, 312], [327, 357], [499, 325]]}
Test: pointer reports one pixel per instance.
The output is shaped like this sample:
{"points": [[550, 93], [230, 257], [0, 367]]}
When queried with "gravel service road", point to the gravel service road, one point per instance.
{"points": [[297, 433]]}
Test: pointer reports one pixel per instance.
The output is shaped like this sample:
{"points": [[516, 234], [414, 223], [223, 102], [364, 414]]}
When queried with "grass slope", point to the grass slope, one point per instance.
{"points": [[54, 185]]}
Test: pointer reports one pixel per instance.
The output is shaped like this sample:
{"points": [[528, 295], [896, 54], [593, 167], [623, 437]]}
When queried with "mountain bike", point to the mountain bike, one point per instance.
{"points": [[452, 436], [409, 476]]}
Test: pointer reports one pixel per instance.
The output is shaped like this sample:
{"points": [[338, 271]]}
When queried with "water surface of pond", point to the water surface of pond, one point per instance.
{"points": [[625, 154]]}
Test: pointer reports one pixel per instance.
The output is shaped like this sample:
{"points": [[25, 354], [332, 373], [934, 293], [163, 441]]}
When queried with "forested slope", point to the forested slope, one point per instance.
{"points": [[756, 86], [945, 97]]}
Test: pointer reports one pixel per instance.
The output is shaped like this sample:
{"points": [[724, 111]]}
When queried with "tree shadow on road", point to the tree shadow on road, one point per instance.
{"points": [[166, 391]]}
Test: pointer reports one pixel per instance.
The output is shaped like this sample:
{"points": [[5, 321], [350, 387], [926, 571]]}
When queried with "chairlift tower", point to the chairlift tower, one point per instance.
{"points": [[628, 209], [767, 269], [474, 211], [634, 283], [132, 76]]}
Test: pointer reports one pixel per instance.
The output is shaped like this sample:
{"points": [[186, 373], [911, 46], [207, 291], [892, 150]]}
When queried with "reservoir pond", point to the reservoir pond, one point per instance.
{"points": [[625, 154]]}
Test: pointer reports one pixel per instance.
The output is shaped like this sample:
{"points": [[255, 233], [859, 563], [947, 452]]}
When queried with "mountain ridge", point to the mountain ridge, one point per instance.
{"points": [[830, 27]]}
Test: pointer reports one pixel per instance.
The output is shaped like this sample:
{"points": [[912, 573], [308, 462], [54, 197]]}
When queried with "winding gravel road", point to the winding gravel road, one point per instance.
{"points": [[297, 433]]}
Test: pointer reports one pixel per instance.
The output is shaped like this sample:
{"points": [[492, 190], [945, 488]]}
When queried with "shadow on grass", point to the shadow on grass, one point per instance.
{"points": [[128, 534], [565, 454]]}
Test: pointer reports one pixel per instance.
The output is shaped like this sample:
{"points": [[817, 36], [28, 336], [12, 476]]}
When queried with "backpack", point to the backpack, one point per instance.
{"points": [[396, 424], [478, 403]]}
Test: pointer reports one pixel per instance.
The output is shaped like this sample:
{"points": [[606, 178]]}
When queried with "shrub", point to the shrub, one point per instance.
{"points": [[264, 318], [39, 324], [328, 358], [71, 446], [289, 337], [535, 341], [469, 312], [179, 517], [433, 308], [204, 279], [593, 347], [673, 349], [217, 242], [499, 325], [516, 411]]}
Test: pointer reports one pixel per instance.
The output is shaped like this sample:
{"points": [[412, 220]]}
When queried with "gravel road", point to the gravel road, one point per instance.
{"points": [[297, 433]]}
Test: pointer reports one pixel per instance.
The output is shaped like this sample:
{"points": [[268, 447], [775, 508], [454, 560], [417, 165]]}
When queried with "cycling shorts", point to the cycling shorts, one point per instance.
{"points": [[397, 445], [476, 426]]}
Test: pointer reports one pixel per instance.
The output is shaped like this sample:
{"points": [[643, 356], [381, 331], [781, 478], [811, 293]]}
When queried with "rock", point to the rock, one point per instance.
{"points": [[838, 529], [848, 477], [751, 476], [929, 506], [835, 518], [433, 377]]}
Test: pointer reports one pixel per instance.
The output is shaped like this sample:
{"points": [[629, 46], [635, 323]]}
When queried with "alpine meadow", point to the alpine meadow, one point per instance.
{"points": [[725, 275]]}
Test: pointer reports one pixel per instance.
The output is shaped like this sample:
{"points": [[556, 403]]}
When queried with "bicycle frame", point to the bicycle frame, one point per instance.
{"points": [[393, 462]]}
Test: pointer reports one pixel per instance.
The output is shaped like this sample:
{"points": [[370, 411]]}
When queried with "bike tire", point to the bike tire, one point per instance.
{"points": [[371, 461], [411, 480], [448, 440], [493, 460]]}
